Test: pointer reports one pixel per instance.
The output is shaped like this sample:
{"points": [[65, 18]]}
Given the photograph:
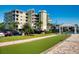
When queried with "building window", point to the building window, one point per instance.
{"points": [[21, 19], [26, 13], [26, 20], [26, 17], [20, 22], [16, 25], [16, 18], [17, 15], [21, 16], [17, 11]]}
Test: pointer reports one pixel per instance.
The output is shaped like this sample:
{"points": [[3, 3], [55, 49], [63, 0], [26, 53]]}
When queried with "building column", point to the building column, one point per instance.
{"points": [[78, 29], [75, 30], [60, 29]]}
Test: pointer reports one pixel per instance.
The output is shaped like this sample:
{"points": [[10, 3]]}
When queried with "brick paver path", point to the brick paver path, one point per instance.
{"points": [[68, 46]]}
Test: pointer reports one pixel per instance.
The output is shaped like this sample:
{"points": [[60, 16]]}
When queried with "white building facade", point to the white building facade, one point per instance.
{"points": [[15, 16], [29, 17], [43, 17]]}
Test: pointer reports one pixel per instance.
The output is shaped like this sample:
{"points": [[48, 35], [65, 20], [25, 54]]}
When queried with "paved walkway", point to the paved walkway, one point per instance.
{"points": [[68, 46], [22, 41]]}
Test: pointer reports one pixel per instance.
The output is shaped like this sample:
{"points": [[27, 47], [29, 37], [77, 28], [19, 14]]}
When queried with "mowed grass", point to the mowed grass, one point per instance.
{"points": [[13, 38], [34, 47]]}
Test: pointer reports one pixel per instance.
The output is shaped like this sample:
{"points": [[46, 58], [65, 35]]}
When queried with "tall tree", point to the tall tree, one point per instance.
{"points": [[2, 26], [39, 24], [12, 25], [27, 29]]}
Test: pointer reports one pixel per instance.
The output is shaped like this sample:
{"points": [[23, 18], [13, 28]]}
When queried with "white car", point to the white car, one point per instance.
{"points": [[2, 34]]}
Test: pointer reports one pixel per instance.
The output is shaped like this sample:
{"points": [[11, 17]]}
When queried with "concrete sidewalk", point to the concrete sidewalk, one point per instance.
{"points": [[22, 41], [68, 46]]}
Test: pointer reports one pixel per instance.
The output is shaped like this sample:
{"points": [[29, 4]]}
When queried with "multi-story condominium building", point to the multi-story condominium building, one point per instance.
{"points": [[15, 16], [29, 17], [43, 17], [33, 18]]}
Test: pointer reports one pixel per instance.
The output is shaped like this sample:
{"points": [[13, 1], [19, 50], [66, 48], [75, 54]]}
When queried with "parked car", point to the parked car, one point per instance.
{"points": [[38, 31], [14, 32], [8, 33], [2, 34]]}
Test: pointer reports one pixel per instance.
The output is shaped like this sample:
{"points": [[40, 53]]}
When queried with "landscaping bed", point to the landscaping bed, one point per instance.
{"points": [[14, 38]]}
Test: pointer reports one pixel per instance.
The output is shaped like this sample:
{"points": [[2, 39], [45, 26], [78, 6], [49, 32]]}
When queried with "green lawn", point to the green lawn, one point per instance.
{"points": [[13, 38], [34, 47]]}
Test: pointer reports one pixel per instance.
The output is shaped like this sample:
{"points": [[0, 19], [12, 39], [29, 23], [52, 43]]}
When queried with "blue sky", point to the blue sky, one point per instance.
{"points": [[67, 14]]}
